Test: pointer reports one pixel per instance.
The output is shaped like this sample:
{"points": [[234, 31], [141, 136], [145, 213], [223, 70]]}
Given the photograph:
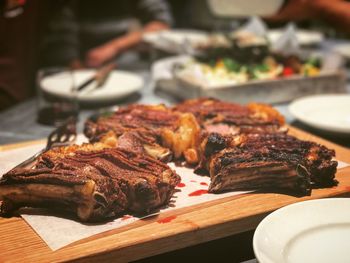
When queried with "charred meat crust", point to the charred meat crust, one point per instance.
{"points": [[154, 130], [147, 117], [253, 161], [228, 118], [241, 147], [120, 182], [135, 128]]}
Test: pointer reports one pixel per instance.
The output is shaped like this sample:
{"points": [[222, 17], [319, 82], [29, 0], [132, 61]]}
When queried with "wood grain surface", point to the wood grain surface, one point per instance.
{"points": [[189, 226]]}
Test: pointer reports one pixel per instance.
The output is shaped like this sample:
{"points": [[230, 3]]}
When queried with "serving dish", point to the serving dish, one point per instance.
{"points": [[181, 77], [318, 231], [183, 227], [265, 91]]}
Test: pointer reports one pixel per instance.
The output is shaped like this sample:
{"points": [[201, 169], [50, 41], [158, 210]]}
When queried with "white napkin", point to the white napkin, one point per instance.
{"points": [[255, 26], [287, 43]]}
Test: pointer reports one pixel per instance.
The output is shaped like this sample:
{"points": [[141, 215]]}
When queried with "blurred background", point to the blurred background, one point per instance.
{"points": [[85, 34], [71, 57]]}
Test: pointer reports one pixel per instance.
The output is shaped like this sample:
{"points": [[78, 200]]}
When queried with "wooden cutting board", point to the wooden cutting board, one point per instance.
{"points": [[166, 232]]}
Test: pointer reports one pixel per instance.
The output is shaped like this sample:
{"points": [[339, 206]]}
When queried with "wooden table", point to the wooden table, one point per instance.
{"points": [[186, 227]]}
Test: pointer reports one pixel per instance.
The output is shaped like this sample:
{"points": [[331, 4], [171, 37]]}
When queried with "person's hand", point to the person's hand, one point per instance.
{"points": [[76, 64], [99, 55]]}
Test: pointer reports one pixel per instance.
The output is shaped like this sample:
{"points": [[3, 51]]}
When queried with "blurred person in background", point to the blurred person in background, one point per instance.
{"points": [[336, 13], [90, 34], [38, 33]]}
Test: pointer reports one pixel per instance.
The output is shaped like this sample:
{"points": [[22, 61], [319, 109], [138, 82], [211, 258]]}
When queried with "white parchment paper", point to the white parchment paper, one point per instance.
{"points": [[58, 232]]}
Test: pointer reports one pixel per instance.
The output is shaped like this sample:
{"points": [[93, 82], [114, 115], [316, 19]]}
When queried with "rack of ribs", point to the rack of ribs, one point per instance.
{"points": [[228, 118], [266, 161], [152, 129], [93, 181]]}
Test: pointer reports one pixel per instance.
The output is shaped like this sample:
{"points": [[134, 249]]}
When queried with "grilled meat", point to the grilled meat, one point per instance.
{"points": [[241, 147], [229, 118], [93, 181], [144, 142], [156, 130], [266, 161], [149, 117]]}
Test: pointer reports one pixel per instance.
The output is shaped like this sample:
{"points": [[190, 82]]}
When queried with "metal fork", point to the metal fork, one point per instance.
{"points": [[62, 136]]}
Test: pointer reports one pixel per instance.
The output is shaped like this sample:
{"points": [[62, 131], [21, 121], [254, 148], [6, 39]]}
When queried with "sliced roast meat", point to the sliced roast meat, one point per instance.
{"points": [[267, 161]]}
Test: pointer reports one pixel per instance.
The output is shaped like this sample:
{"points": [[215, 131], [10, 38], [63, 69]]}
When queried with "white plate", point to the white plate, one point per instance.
{"points": [[118, 85], [311, 231], [173, 40], [330, 112], [343, 49], [241, 8], [304, 37]]}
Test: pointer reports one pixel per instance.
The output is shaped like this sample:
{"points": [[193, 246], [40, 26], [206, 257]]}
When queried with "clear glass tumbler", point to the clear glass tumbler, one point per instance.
{"points": [[57, 96]]}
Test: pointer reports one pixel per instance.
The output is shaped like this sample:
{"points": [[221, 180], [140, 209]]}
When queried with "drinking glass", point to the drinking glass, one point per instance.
{"points": [[57, 96]]}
